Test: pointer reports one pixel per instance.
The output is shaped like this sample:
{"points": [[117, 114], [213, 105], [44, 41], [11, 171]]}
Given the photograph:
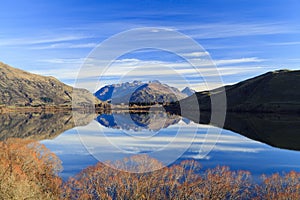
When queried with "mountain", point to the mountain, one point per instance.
{"points": [[188, 91], [276, 91], [139, 93], [21, 88]]}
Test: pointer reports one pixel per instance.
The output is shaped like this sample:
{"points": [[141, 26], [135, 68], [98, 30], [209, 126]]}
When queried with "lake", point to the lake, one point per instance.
{"points": [[257, 143], [261, 144]]}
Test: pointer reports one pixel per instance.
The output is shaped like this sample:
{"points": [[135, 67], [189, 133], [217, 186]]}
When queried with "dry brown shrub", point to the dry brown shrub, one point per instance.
{"points": [[28, 170]]}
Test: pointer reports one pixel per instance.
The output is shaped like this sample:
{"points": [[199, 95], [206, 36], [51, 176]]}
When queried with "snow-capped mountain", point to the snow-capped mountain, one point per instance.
{"points": [[140, 93]]}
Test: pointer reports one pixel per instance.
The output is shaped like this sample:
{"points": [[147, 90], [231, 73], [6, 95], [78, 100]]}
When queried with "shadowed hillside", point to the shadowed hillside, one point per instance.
{"points": [[272, 92]]}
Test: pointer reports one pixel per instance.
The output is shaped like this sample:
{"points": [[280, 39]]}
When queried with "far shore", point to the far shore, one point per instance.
{"points": [[86, 109], [49, 109], [123, 108]]}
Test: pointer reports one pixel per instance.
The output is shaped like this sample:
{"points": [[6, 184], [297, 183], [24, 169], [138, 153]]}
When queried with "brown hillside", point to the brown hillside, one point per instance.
{"points": [[21, 88]]}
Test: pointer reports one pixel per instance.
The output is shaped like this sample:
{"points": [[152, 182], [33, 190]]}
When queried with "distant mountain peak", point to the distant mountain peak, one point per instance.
{"points": [[188, 91]]}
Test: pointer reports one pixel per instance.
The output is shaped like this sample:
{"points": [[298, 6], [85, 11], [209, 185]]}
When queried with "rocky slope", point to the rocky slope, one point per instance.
{"points": [[21, 88]]}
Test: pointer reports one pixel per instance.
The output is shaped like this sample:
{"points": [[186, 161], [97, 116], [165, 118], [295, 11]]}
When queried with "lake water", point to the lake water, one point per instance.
{"points": [[274, 146]]}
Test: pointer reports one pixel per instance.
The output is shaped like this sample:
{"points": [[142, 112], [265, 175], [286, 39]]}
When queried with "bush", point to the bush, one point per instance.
{"points": [[280, 187], [28, 170], [181, 181]]}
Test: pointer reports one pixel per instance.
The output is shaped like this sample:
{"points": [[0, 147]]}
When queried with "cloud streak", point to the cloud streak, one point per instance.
{"points": [[56, 39], [227, 30], [66, 46]]}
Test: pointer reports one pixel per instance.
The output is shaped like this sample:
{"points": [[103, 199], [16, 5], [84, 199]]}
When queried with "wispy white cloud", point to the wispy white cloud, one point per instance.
{"points": [[66, 46], [203, 31], [225, 30], [63, 60], [238, 61], [58, 40], [294, 59], [239, 149], [83, 45], [285, 43], [196, 54]]}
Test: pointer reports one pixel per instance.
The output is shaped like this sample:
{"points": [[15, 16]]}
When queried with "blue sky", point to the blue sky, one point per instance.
{"points": [[244, 38]]}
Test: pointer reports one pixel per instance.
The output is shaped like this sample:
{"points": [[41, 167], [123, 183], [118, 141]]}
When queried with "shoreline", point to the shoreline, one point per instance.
{"points": [[122, 108]]}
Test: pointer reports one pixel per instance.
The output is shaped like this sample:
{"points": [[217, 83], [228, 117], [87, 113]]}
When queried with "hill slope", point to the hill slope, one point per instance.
{"points": [[21, 88], [276, 91]]}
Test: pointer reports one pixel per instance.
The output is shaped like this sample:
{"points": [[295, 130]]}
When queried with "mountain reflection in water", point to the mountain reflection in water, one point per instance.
{"points": [[39, 126], [137, 121], [277, 130]]}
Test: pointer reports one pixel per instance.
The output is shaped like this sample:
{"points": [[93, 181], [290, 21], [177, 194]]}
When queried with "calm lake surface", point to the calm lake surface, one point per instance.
{"points": [[261, 144], [171, 138]]}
